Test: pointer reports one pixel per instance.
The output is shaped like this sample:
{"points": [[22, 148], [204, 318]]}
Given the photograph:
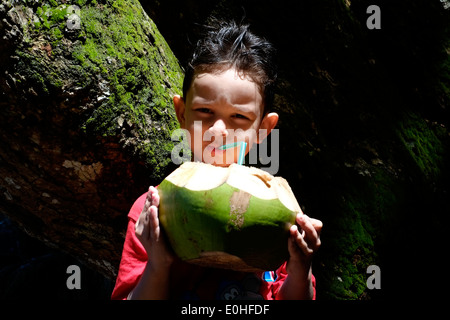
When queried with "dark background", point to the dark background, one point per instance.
{"points": [[348, 98]]}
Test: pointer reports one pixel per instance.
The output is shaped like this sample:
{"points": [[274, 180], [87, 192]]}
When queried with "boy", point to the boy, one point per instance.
{"points": [[227, 91]]}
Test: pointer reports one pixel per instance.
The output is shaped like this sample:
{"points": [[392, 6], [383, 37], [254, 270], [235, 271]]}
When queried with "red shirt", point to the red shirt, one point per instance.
{"points": [[193, 282]]}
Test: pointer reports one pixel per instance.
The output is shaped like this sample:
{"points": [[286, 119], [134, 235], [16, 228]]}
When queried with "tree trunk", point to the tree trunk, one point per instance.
{"points": [[86, 122]]}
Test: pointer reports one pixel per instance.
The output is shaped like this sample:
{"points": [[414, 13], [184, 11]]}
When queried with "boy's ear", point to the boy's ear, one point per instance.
{"points": [[269, 122], [180, 107]]}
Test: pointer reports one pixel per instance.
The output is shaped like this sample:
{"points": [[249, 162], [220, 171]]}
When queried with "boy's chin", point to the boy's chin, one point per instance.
{"points": [[216, 162], [221, 164]]}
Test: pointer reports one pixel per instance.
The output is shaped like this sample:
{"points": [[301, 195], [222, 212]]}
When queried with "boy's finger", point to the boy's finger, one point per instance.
{"points": [[311, 236], [317, 224], [152, 189], [141, 228], [155, 197], [148, 200], [154, 224], [300, 241]]}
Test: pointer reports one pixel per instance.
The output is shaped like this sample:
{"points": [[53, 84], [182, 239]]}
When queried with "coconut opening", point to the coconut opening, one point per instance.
{"points": [[198, 176]]}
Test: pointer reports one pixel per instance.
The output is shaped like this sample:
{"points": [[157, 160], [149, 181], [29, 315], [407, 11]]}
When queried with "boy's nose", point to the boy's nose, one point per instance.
{"points": [[219, 128]]}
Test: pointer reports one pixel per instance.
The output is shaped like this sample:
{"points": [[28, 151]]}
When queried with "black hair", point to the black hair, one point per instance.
{"points": [[227, 45]]}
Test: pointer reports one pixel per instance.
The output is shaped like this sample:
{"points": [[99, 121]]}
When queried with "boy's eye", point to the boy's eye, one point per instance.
{"points": [[203, 110], [240, 116]]}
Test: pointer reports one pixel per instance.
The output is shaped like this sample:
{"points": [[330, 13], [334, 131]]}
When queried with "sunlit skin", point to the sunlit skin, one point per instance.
{"points": [[230, 108]]}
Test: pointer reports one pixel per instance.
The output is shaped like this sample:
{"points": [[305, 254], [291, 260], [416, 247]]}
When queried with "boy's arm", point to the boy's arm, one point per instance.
{"points": [[154, 282], [135, 274], [297, 286], [304, 241], [153, 285]]}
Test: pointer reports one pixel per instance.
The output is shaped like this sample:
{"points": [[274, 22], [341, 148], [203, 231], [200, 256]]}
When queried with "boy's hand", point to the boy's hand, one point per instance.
{"points": [[304, 240], [303, 243], [148, 232]]}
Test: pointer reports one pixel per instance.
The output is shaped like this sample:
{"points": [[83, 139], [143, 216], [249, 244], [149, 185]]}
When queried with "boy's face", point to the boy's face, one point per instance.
{"points": [[222, 108]]}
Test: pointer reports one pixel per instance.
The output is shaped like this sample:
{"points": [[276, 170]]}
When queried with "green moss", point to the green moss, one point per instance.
{"points": [[422, 144], [50, 15], [121, 46], [120, 57], [83, 2], [364, 217], [57, 35], [353, 248]]}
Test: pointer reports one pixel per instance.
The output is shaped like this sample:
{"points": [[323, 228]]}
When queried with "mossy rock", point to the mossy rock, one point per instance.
{"points": [[111, 55], [86, 117]]}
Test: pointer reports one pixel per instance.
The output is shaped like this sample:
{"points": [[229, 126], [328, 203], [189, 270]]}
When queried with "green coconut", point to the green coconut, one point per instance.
{"points": [[236, 217]]}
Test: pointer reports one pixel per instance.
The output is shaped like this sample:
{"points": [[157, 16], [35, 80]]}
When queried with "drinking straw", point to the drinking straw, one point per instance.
{"points": [[241, 144]]}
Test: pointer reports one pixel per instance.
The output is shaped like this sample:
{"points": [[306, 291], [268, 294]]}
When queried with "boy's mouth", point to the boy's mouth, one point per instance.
{"points": [[220, 151], [214, 150]]}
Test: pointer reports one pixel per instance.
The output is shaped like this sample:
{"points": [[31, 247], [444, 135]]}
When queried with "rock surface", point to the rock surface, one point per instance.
{"points": [[85, 120]]}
